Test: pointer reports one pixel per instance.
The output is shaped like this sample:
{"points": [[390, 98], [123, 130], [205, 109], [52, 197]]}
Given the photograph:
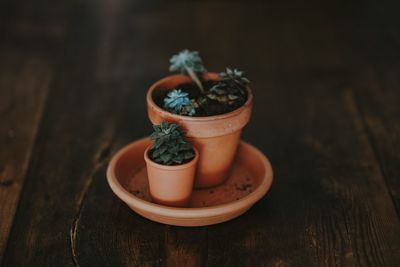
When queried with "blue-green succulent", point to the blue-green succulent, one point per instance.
{"points": [[178, 102], [188, 62]]}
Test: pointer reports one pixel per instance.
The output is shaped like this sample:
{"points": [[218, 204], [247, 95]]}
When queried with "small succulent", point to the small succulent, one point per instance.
{"points": [[188, 62], [178, 102], [235, 75], [170, 147], [231, 87]]}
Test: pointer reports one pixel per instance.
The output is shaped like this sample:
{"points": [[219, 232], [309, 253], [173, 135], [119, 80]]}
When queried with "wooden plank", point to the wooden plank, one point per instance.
{"points": [[78, 134], [378, 98], [316, 213], [329, 204], [107, 233], [24, 82], [170, 246], [185, 247], [135, 240], [374, 75]]}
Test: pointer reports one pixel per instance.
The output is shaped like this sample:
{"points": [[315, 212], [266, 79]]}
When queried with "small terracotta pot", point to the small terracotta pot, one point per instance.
{"points": [[171, 185], [215, 137]]}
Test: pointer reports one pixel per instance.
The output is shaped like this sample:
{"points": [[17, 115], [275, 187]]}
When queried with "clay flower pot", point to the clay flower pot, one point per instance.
{"points": [[215, 137], [171, 185]]}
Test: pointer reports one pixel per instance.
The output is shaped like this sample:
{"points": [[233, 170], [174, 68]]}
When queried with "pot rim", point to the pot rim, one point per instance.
{"points": [[207, 76], [187, 165]]}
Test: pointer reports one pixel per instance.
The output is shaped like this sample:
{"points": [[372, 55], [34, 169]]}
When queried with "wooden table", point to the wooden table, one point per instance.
{"points": [[326, 79]]}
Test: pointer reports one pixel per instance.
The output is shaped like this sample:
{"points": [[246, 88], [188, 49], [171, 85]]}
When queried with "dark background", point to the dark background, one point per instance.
{"points": [[326, 79]]}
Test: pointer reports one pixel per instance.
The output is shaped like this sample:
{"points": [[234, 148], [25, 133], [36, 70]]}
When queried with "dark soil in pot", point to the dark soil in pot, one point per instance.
{"points": [[207, 108]]}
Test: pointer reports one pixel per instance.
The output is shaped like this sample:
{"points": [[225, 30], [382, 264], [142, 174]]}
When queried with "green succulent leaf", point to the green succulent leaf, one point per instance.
{"points": [[188, 155], [166, 157], [174, 150], [155, 153], [162, 150], [178, 159], [185, 146]]}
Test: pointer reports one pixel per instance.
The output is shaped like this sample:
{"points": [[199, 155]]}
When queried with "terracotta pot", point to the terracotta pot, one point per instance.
{"points": [[171, 185], [215, 137]]}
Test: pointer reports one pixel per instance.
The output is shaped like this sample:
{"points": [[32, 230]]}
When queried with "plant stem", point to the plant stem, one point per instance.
{"points": [[194, 77]]}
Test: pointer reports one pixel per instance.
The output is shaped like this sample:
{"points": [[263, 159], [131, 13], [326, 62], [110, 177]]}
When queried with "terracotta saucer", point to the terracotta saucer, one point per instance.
{"points": [[249, 181]]}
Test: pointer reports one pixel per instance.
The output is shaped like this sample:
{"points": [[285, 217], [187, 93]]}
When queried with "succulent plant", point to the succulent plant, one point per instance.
{"points": [[231, 87], [188, 62], [235, 75], [178, 102], [170, 147]]}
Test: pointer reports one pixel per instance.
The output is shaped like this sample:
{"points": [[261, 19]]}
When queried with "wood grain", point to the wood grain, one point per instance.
{"points": [[329, 202], [75, 140], [53, 186], [24, 82], [378, 100], [332, 143]]}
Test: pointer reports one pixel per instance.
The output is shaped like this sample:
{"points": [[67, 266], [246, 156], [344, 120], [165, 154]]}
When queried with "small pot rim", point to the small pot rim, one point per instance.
{"points": [[171, 167], [207, 76]]}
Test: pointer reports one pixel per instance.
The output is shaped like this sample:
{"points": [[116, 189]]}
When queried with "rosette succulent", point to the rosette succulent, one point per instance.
{"points": [[231, 87], [188, 62], [178, 102], [170, 147]]}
